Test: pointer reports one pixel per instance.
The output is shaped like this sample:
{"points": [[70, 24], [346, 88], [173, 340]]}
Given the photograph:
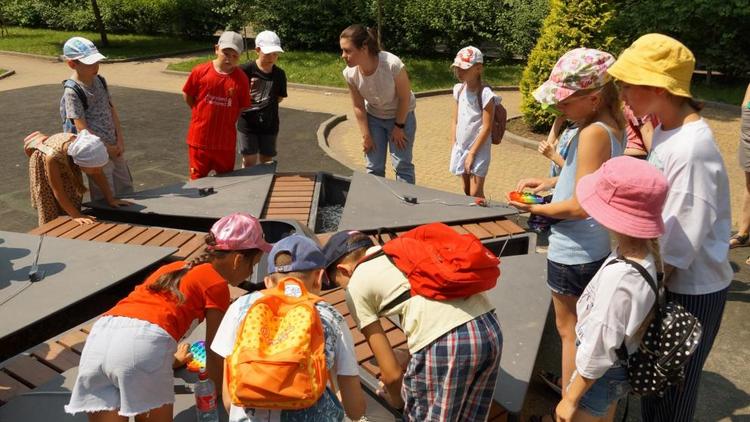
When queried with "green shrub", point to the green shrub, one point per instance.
{"points": [[570, 24]]}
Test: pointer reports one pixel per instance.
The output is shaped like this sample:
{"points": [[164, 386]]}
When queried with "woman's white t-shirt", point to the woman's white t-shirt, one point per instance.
{"points": [[697, 214], [611, 309], [379, 89]]}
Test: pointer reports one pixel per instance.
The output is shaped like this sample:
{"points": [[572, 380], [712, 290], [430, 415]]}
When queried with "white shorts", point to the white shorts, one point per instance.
{"points": [[126, 365]]}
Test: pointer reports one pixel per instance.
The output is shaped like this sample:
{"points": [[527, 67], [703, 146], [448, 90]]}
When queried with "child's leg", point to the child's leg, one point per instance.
{"points": [[466, 178], [267, 147], [121, 177], [248, 147], [477, 186], [375, 159], [565, 320], [106, 416], [108, 171], [161, 414]]}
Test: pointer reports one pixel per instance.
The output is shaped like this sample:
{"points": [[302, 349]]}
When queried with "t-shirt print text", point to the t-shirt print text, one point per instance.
{"points": [[219, 101]]}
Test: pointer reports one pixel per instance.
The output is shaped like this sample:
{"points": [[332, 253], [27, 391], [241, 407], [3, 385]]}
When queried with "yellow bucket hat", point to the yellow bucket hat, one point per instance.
{"points": [[656, 60]]}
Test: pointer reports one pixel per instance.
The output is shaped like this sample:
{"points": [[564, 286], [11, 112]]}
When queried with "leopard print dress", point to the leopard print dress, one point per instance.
{"points": [[42, 197]]}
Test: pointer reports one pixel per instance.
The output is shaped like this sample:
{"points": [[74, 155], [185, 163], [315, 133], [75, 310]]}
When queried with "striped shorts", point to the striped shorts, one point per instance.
{"points": [[453, 378]]}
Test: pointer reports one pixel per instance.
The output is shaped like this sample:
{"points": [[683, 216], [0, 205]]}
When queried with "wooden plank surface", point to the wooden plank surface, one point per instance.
{"points": [[45, 228], [10, 387], [29, 370], [55, 355], [96, 231]]}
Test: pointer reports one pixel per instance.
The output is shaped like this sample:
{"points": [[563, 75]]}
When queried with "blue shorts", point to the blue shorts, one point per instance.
{"points": [[571, 280], [608, 389]]}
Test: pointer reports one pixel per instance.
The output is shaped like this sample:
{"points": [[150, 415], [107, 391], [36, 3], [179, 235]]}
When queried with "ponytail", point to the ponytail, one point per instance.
{"points": [[170, 282], [653, 247], [361, 37]]}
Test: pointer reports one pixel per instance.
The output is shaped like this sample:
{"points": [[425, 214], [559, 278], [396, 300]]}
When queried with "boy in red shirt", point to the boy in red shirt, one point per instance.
{"points": [[216, 91]]}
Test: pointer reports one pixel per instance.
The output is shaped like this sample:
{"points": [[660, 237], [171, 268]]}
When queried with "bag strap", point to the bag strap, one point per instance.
{"points": [[622, 351], [403, 297], [71, 84]]}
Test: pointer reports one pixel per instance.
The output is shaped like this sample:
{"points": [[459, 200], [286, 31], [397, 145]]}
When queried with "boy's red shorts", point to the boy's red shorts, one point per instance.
{"points": [[202, 161]]}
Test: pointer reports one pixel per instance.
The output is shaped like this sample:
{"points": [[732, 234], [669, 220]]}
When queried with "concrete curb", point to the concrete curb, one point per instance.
{"points": [[446, 91], [323, 131], [7, 73], [58, 59], [520, 140]]}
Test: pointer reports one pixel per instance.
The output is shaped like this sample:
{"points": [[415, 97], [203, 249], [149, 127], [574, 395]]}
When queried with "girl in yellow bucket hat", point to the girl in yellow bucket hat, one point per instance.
{"points": [[654, 76]]}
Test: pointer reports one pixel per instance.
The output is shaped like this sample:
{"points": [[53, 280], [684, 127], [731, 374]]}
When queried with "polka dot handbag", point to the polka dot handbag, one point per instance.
{"points": [[669, 341]]}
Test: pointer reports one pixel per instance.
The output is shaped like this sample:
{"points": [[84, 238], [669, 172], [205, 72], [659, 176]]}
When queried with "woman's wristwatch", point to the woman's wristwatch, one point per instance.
{"points": [[399, 125]]}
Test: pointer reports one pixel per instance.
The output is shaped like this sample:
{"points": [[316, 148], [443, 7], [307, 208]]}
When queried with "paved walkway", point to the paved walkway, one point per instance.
{"points": [[724, 391]]}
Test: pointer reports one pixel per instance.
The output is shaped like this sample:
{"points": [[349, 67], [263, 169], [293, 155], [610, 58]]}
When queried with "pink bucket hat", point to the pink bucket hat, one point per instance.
{"points": [[625, 195], [581, 68], [239, 231]]}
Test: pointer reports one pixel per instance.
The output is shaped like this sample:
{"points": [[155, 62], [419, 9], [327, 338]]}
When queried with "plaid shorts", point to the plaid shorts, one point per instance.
{"points": [[453, 378]]}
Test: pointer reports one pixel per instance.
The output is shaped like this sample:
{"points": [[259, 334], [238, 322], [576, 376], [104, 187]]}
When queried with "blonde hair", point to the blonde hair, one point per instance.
{"points": [[610, 100]]}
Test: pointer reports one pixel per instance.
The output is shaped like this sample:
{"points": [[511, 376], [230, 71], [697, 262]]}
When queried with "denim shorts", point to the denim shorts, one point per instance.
{"points": [[608, 389], [571, 280]]}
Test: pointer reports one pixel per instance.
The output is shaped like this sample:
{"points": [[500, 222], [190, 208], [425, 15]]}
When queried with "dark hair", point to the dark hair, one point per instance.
{"points": [[362, 36], [695, 104], [170, 282], [355, 254]]}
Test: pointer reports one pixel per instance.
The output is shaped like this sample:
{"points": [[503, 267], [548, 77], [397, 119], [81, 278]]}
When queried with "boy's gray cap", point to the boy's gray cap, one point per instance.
{"points": [[233, 40]]}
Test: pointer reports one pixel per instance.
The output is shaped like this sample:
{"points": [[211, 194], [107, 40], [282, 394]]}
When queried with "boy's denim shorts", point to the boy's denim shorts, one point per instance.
{"points": [[608, 389], [571, 280]]}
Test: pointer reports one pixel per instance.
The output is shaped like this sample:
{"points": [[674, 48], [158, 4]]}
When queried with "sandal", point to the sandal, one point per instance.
{"points": [[739, 240], [552, 380]]}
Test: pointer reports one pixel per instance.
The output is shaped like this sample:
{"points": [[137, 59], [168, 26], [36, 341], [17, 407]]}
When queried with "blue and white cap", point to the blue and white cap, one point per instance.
{"points": [[83, 50]]}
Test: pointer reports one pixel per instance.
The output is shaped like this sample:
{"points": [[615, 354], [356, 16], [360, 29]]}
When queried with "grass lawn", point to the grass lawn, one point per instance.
{"points": [[323, 68], [2, 71], [49, 42], [730, 91]]}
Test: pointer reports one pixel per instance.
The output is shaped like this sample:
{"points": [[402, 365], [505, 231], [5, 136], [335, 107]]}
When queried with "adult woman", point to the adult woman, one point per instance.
{"points": [[55, 179], [383, 102]]}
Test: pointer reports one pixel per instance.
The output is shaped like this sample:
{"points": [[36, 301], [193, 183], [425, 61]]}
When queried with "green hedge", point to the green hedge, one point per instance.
{"points": [[190, 18], [570, 24]]}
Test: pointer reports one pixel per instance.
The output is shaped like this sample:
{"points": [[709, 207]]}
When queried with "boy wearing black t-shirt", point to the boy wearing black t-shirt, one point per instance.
{"points": [[258, 126]]}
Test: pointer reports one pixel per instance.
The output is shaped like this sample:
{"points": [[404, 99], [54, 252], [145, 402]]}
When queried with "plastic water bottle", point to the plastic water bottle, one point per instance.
{"points": [[205, 399]]}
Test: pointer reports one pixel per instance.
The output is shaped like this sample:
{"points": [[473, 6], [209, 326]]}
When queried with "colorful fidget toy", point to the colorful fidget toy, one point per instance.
{"points": [[526, 198], [198, 349]]}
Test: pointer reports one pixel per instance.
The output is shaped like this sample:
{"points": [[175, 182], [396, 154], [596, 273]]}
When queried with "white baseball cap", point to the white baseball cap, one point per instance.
{"points": [[83, 50], [468, 57], [268, 42], [233, 40]]}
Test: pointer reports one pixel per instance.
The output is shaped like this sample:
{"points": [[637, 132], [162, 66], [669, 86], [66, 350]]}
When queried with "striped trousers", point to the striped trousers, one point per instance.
{"points": [[678, 403]]}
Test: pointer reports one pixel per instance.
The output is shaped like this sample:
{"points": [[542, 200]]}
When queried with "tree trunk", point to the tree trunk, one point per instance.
{"points": [[99, 23]]}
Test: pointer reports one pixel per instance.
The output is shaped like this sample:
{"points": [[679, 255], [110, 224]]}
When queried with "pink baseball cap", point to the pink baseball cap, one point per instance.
{"points": [[239, 231], [625, 195]]}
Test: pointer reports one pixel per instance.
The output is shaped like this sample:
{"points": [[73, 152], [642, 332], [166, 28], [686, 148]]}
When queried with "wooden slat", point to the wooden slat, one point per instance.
{"points": [[494, 228], [162, 238], [81, 229], [293, 204], [87, 328], [29, 370], [56, 356], [144, 237], [74, 340], [10, 387], [63, 228], [292, 194], [127, 236], [179, 240], [323, 237], [284, 182], [510, 226], [288, 210], [190, 246], [371, 366], [459, 229], [46, 227], [357, 336], [293, 188], [396, 337], [477, 231], [293, 177], [95, 231], [335, 297], [280, 215], [112, 233], [198, 252], [497, 413], [362, 352]]}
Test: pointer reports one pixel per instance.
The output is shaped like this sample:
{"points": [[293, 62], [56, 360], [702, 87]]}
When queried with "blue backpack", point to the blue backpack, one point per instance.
{"points": [[67, 123]]}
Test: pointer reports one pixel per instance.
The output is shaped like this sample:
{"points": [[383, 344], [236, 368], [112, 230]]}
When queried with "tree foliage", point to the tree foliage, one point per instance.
{"points": [[570, 24]]}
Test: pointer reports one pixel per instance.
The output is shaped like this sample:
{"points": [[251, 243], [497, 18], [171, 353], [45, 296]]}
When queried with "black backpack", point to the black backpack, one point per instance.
{"points": [[671, 338], [68, 125]]}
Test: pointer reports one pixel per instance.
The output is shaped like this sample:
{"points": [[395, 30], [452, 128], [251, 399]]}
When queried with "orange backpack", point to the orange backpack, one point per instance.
{"points": [[279, 359]]}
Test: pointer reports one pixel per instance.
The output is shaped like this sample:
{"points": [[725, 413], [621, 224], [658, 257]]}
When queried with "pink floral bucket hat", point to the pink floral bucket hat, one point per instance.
{"points": [[578, 69]]}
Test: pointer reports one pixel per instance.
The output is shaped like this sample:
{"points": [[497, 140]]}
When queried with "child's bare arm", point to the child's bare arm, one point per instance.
{"points": [[80, 124], [454, 120], [225, 398], [214, 362], [189, 100], [352, 397], [390, 369], [118, 130]]}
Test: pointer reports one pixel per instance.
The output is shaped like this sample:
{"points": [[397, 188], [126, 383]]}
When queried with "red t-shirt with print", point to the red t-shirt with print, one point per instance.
{"points": [[219, 99], [202, 287]]}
